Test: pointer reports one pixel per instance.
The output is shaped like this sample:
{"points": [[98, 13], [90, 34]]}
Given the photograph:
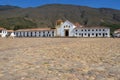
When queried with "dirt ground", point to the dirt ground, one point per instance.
{"points": [[60, 59]]}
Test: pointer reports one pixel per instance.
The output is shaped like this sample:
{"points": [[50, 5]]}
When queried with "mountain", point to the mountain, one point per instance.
{"points": [[46, 15], [7, 7]]}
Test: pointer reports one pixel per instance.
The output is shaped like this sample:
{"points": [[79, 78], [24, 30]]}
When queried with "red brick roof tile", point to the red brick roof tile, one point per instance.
{"points": [[35, 29]]}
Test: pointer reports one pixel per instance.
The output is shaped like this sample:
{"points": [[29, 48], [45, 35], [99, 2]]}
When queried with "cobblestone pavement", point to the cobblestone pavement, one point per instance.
{"points": [[60, 59]]}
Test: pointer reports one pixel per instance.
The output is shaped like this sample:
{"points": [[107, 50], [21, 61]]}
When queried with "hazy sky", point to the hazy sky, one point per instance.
{"points": [[91, 3]]}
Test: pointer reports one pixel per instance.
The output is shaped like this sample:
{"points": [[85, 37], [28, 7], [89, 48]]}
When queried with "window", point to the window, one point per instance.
{"points": [[35, 33], [92, 33], [3, 31], [96, 30], [39, 33], [103, 29], [69, 26], [82, 34], [20, 33], [99, 29], [53, 33], [88, 29], [76, 33], [99, 33], [47, 35], [96, 34], [43, 35], [85, 30], [88, 34], [16, 34], [79, 34], [85, 33], [76, 30], [92, 29], [106, 34], [0, 31], [82, 30], [31, 33]]}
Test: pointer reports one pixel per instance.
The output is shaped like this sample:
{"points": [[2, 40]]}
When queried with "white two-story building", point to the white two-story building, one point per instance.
{"points": [[68, 29], [3, 32], [92, 32], [65, 29], [36, 32], [116, 33]]}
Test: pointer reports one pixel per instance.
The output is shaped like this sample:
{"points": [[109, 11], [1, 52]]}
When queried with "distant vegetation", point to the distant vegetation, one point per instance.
{"points": [[112, 27], [7, 7], [12, 17], [17, 23]]}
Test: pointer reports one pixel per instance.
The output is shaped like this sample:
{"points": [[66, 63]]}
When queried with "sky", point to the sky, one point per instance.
{"points": [[115, 4]]}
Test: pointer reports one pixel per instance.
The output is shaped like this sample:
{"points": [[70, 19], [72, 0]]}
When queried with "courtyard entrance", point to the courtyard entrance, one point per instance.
{"points": [[66, 33]]}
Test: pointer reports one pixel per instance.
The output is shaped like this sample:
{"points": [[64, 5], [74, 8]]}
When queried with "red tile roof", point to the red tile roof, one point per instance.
{"points": [[1, 28], [117, 31], [36, 29], [10, 30], [94, 27], [77, 24]]}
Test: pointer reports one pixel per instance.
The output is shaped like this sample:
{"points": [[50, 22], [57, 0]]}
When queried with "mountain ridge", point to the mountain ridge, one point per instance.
{"points": [[7, 7], [56, 4], [46, 15]]}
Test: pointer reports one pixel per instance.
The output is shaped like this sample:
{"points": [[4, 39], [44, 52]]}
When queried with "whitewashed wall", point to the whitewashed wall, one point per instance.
{"points": [[60, 31], [65, 26], [49, 33], [92, 32], [3, 33]]}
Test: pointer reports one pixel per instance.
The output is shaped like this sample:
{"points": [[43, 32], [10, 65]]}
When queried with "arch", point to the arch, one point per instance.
{"points": [[66, 33]]}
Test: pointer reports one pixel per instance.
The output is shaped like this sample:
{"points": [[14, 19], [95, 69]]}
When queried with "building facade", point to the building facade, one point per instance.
{"points": [[63, 29], [38, 32], [92, 32], [116, 33], [68, 29], [3, 32]]}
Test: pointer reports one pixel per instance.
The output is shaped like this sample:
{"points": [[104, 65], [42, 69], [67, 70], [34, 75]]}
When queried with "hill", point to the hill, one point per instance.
{"points": [[7, 7], [46, 15]]}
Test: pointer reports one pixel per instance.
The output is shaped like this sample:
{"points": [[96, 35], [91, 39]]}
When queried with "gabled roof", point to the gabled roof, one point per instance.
{"points": [[10, 30], [77, 24], [68, 22], [117, 31], [91, 27]]}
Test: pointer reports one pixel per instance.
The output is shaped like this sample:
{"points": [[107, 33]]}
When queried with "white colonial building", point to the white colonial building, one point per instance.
{"points": [[36, 32], [69, 29], [3, 32], [65, 29], [92, 32], [116, 33]]}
